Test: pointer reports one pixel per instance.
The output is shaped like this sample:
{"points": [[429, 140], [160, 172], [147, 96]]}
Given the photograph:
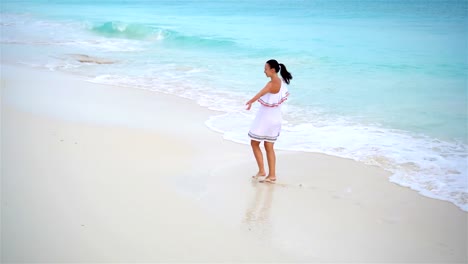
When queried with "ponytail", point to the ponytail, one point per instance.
{"points": [[281, 68], [284, 73]]}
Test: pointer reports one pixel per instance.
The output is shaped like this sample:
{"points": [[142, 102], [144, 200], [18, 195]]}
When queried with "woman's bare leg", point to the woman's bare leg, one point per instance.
{"points": [[258, 157], [271, 158]]}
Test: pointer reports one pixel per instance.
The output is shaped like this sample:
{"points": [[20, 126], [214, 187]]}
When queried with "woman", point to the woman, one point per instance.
{"points": [[267, 124]]}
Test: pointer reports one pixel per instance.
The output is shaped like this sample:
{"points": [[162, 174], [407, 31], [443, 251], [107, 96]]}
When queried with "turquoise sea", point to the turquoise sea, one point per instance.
{"points": [[382, 82]]}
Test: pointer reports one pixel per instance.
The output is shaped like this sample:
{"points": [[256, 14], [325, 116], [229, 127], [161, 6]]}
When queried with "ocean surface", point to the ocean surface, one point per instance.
{"points": [[381, 82]]}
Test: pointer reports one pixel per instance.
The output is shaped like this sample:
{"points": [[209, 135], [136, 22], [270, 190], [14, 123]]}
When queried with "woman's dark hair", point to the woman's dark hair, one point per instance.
{"points": [[279, 67]]}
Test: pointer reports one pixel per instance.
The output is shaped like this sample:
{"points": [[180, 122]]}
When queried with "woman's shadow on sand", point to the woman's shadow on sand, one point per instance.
{"points": [[257, 215]]}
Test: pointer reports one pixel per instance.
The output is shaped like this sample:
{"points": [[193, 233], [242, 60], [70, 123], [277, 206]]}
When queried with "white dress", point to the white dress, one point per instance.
{"points": [[267, 123]]}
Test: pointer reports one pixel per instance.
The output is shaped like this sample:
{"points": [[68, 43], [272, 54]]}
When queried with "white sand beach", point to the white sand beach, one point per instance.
{"points": [[97, 173]]}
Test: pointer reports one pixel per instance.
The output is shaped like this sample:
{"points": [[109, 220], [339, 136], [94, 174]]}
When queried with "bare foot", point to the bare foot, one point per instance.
{"points": [[259, 174], [269, 179]]}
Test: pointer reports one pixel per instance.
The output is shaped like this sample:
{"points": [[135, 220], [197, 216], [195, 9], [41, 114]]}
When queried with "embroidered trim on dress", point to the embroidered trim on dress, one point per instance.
{"points": [[275, 104], [267, 138]]}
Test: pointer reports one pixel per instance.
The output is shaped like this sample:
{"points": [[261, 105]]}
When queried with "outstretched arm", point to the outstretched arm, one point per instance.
{"points": [[265, 90]]}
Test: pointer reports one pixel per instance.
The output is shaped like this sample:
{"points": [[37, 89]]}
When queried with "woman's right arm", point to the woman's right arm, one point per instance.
{"points": [[265, 90]]}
